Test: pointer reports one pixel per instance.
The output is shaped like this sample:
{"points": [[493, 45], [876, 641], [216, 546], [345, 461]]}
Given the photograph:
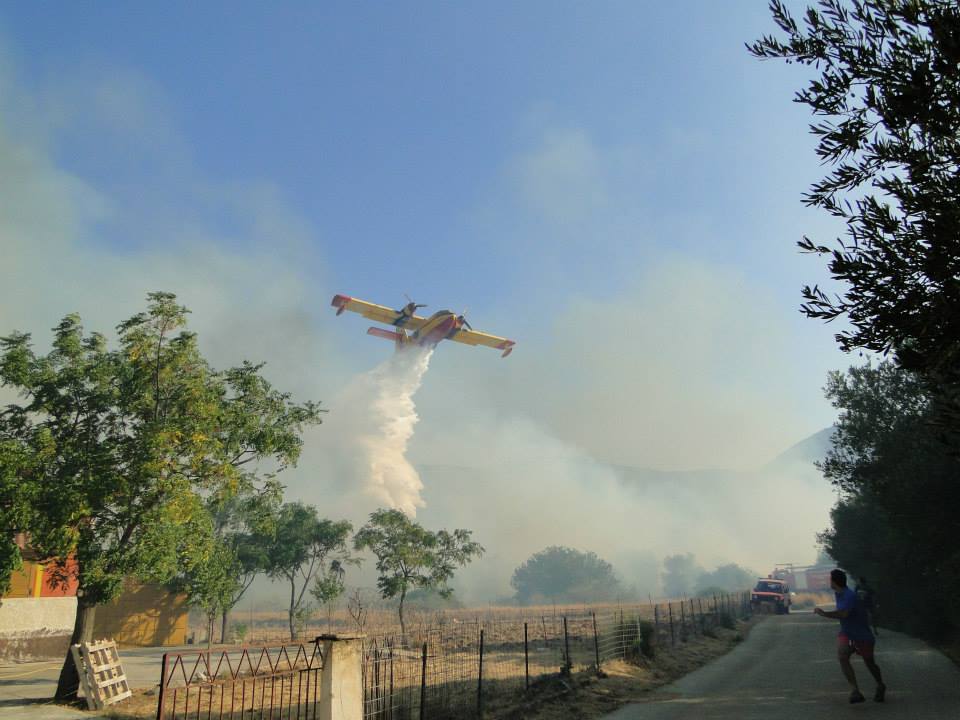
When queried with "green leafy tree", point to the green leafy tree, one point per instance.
{"points": [[887, 98], [897, 518], [125, 444], [327, 587], [725, 578], [680, 573], [303, 547], [244, 522], [210, 578], [410, 556], [18, 488], [562, 574]]}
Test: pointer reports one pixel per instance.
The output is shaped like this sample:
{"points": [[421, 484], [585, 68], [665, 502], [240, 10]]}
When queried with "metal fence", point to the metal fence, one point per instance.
{"points": [[454, 671], [278, 681]]}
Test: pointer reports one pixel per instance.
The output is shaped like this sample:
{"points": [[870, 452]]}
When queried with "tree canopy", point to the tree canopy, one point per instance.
{"points": [[727, 578], [896, 521], [562, 574], [409, 556], [887, 97], [119, 448], [237, 532], [16, 502], [304, 547], [680, 574]]}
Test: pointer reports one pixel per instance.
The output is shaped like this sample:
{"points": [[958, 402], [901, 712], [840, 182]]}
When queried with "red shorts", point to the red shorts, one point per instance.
{"points": [[863, 648]]}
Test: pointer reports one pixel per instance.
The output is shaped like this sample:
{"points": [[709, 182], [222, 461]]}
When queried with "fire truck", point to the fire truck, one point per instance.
{"points": [[810, 578]]}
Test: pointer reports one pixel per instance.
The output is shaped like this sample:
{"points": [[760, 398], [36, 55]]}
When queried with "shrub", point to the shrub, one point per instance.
{"points": [[647, 639]]}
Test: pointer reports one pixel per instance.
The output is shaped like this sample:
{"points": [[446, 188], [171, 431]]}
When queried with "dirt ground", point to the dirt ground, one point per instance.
{"points": [[586, 695]]}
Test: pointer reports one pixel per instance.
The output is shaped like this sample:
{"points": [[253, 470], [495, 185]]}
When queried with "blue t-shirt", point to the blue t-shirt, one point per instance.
{"points": [[856, 625]]}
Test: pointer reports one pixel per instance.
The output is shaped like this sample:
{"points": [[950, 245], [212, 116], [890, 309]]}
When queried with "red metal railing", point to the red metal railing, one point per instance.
{"points": [[275, 681]]}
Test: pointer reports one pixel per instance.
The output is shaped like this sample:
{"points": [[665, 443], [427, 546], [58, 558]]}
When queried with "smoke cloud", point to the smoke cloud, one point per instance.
{"points": [[680, 362]]}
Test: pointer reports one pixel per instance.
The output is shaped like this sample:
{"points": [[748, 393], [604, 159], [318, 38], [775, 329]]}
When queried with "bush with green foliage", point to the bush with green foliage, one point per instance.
{"points": [[562, 574]]}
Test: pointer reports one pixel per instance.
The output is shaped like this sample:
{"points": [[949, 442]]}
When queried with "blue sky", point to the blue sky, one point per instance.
{"points": [[615, 185], [391, 127]]}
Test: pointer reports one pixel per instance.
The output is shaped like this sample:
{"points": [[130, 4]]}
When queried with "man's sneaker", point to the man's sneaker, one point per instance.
{"points": [[856, 697], [879, 694]]}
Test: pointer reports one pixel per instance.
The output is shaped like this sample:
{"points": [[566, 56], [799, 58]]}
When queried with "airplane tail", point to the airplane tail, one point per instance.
{"points": [[398, 337]]}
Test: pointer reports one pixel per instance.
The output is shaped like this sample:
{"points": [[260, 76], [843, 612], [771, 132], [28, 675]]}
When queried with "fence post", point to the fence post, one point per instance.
{"points": [[480, 679], [163, 687], [596, 640], [683, 623], [567, 665], [703, 619], [391, 675], [341, 677], [673, 637], [656, 624], [639, 639], [526, 658], [423, 683]]}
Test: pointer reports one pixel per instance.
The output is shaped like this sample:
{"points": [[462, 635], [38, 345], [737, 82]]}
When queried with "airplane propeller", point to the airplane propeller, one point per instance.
{"points": [[462, 317], [412, 305]]}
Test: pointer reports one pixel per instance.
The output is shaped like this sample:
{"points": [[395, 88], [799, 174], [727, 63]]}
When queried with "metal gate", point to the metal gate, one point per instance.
{"points": [[276, 681]]}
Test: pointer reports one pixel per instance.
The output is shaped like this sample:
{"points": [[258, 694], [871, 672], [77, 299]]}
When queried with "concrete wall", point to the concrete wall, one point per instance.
{"points": [[36, 628]]}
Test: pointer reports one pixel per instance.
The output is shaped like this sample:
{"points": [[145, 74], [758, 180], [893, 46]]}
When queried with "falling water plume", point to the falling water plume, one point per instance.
{"points": [[384, 417]]}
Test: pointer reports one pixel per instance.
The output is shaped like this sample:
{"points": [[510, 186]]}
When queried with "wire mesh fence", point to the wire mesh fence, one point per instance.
{"points": [[452, 671]]}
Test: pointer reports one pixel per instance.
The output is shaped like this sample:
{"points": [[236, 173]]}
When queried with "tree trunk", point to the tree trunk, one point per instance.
{"points": [[293, 590], [223, 628], [403, 627], [69, 682]]}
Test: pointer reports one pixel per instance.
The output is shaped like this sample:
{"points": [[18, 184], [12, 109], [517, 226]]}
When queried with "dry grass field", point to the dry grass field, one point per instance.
{"points": [[583, 693], [524, 651], [267, 626]]}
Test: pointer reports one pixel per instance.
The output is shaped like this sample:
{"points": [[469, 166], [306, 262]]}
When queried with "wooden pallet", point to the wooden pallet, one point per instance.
{"points": [[101, 674]]}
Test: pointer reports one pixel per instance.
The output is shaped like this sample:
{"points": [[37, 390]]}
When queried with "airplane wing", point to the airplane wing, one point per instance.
{"points": [[377, 313], [472, 337]]}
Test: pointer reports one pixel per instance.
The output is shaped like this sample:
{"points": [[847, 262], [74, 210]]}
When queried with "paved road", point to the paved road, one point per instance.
{"points": [[26, 688], [787, 669]]}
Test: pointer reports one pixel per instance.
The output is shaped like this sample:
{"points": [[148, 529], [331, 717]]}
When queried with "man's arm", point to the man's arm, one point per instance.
{"points": [[832, 614]]}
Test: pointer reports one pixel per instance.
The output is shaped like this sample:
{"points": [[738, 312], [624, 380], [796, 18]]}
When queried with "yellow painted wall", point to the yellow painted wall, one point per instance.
{"points": [[143, 615], [24, 582]]}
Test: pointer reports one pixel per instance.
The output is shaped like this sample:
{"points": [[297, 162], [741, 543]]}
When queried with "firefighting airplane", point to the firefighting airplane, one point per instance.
{"points": [[425, 332]]}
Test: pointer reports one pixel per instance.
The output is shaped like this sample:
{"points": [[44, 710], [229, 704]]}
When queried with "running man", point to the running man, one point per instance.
{"points": [[854, 637]]}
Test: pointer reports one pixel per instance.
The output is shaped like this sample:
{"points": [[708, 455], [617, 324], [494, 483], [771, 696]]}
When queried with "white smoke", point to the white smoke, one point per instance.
{"points": [[375, 416]]}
